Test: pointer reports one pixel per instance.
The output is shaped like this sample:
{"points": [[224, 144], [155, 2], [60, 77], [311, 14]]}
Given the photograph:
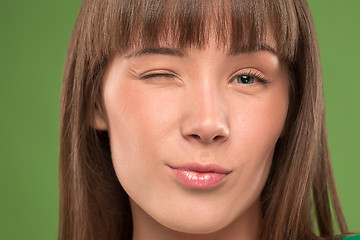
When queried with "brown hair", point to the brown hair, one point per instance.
{"points": [[93, 205]]}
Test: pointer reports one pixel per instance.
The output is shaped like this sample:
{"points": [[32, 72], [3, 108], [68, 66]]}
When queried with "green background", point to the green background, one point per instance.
{"points": [[33, 41]]}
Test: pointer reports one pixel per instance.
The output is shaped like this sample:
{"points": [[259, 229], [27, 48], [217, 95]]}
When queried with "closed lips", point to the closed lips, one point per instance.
{"points": [[200, 176]]}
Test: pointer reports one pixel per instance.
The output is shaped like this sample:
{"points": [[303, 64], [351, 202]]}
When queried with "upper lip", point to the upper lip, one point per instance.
{"points": [[202, 168]]}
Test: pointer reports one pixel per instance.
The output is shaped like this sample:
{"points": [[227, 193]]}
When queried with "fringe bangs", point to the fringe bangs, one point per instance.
{"points": [[240, 26]]}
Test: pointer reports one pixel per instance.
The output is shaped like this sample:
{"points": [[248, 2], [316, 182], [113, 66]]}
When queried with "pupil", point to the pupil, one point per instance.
{"points": [[246, 79]]}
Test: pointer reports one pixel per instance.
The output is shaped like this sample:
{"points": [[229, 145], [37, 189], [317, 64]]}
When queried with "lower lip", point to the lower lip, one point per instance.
{"points": [[200, 180]]}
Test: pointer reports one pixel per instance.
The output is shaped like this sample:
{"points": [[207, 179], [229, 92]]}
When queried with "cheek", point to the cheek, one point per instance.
{"points": [[256, 127], [258, 124], [139, 124], [140, 119]]}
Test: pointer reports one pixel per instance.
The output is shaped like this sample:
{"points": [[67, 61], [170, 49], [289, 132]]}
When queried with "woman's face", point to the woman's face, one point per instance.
{"points": [[192, 134]]}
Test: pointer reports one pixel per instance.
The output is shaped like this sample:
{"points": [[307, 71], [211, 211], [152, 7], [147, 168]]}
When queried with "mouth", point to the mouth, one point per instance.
{"points": [[200, 176]]}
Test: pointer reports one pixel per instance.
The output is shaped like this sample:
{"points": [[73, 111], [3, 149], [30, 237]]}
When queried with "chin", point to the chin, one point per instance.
{"points": [[195, 228], [196, 224]]}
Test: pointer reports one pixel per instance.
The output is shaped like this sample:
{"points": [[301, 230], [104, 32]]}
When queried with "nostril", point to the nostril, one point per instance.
{"points": [[199, 138], [195, 136], [218, 137]]}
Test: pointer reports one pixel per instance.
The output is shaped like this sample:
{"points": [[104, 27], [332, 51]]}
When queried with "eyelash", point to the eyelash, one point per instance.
{"points": [[156, 75]]}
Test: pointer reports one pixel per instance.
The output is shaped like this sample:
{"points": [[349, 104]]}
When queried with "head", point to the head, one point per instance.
{"points": [[295, 157]]}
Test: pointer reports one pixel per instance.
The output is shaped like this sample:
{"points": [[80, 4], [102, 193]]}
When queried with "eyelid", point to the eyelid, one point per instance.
{"points": [[158, 73]]}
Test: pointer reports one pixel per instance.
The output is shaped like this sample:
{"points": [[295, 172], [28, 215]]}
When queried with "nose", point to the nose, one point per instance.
{"points": [[205, 118]]}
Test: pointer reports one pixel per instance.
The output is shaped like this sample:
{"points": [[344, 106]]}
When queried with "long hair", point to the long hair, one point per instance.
{"points": [[300, 188]]}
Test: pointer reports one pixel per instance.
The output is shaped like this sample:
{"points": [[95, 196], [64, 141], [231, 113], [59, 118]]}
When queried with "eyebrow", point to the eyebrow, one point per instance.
{"points": [[179, 53], [263, 47]]}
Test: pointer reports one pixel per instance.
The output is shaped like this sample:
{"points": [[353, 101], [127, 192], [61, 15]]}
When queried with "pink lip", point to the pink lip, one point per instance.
{"points": [[200, 176]]}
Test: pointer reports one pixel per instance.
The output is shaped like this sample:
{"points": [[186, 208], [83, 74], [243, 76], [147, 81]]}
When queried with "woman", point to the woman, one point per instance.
{"points": [[197, 120]]}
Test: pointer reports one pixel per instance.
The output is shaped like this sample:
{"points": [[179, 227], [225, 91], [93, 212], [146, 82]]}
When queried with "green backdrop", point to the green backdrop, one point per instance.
{"points": [[33, 41]]}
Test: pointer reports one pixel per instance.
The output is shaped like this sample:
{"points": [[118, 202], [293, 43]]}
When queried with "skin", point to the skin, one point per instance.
{"points": [[194, 110]]}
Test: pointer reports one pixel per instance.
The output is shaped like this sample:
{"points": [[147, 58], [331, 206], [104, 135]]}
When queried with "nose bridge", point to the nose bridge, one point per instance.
{"points": [[207, 99], [206, 119]]}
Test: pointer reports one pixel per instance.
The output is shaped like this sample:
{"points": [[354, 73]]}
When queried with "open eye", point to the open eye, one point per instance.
{"points": [[248, 78]]}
